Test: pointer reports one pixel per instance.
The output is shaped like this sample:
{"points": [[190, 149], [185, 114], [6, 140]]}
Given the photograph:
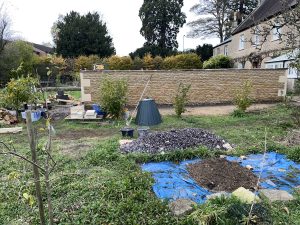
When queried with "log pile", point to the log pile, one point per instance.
{"points": [[7, 118]]}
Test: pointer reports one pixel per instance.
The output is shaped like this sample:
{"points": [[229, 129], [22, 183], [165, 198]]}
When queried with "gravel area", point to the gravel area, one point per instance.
{"points": [[158, 142]]}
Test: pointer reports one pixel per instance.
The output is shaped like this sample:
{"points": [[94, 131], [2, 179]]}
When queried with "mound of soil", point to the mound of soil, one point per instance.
{"points": [[222, 175], [167, 141]]}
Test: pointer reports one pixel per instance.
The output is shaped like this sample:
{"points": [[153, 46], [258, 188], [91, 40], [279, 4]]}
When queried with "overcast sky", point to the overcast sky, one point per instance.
{"points": [[32, 20]]}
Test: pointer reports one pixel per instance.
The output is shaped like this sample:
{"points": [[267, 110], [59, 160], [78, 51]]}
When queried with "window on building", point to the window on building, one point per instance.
{"points": [[276, 32], [276, 65], [269, 66], [255, 40], [292, 72], [242, 42], [218, 51], [226, 50], [241, 65]]}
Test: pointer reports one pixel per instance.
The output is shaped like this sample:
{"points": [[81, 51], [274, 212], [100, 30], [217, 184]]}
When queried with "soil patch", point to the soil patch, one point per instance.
{"points": [[175, 139], [59, 112], [222, 175], [85, 133], [75, 149], [293, 138]]}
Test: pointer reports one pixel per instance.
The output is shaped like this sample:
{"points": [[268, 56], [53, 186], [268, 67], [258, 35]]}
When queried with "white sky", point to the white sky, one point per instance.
{"points": [[32, 20]]}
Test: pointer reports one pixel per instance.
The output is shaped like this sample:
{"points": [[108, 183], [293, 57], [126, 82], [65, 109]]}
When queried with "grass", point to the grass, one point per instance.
{"points": [[227, 211], [102, 186], [75, 94]]}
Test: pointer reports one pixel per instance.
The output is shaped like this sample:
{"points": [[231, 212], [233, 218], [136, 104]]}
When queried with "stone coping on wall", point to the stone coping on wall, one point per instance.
{"points": [[180, 70]]}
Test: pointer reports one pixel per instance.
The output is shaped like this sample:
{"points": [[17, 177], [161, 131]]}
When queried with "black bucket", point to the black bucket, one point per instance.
{"points": [[127, 132]]}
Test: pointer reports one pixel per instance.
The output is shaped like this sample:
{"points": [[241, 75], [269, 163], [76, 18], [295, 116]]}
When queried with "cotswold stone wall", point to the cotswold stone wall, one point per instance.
{"points": [[207, 86]]}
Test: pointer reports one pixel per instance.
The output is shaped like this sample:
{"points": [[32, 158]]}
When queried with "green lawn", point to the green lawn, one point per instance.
{"points": [[94, 183], [75, 94]]}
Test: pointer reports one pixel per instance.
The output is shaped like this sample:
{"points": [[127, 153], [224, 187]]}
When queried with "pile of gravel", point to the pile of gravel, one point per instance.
{"points": [[158, 142]]}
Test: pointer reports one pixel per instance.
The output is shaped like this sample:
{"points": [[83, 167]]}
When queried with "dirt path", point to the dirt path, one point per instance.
{"points": [[211, 110]]}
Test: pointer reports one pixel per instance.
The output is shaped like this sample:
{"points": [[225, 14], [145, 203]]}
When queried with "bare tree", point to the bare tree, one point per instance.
{"points": [[5, 23], [212, 21], [217, 18]]}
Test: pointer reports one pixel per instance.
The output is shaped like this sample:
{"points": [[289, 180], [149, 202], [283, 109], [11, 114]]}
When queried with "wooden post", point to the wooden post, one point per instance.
{"points": [[32, 141], [47, 173]]}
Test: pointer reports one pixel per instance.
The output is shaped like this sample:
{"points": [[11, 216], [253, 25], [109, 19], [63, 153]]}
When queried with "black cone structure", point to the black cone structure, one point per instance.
{"points": [[147, 114]]}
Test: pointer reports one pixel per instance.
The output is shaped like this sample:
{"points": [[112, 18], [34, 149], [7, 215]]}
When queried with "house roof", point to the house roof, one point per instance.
{"points": [[286, 57], [266, 10], [224, 42], [43, 48]]}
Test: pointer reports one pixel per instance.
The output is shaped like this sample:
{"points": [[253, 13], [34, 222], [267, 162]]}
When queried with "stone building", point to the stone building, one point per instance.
{"points": [[262, 40], [250, 49]]}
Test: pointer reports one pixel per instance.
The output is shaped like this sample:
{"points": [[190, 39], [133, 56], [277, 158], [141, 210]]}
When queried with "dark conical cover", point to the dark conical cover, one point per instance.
{"points": [[147, 114]]}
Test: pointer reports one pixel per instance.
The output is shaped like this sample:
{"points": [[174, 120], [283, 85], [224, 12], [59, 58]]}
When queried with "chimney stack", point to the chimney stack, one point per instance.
{"points": [[235, 22]]}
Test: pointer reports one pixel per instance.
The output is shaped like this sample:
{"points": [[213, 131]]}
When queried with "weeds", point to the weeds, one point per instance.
{"points": [[107, 187], [181, 99], [224, 211], [242, 99], [113, 96], [296, 115]]}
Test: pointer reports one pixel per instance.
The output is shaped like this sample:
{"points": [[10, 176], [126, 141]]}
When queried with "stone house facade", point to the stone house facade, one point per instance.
{"points": [[250, 49]]}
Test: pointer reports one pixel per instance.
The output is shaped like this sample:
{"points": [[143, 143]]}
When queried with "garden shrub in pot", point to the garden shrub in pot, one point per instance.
{"points": [[19, 91]]}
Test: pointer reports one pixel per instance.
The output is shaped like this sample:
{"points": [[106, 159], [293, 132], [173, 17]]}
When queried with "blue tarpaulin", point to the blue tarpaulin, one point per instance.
{"points": [[172, 181], [35, 115]]}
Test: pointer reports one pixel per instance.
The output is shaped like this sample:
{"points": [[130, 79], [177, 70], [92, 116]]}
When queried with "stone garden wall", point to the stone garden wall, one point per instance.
{"points": [[207, 86]]}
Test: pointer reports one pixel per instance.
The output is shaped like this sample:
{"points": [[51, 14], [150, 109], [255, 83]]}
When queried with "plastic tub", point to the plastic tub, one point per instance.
{"points": [[127, 132], [142, 131]]}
